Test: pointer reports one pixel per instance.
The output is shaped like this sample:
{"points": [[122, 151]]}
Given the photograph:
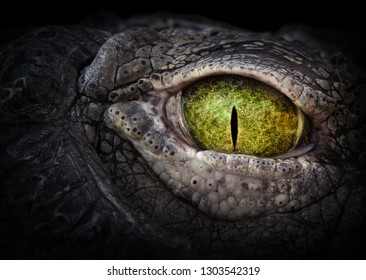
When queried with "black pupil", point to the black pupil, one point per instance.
{"points": [[234, 126]]}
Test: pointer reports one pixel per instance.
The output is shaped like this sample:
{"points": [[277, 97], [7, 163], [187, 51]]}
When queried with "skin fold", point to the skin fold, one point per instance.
{"points": [[96, 162]]}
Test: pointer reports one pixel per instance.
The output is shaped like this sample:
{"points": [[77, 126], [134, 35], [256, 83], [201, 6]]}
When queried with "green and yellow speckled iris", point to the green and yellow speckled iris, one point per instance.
{"points": [[241, 115]]}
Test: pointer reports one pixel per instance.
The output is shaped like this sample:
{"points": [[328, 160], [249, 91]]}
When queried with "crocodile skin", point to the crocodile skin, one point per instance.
{"points": [[93, 165]]}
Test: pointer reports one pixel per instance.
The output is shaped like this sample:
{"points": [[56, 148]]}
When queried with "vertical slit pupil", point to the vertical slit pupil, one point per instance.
{"points": [[234, 126]]}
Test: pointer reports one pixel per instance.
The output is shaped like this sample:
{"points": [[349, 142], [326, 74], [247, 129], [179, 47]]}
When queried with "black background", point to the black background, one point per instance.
{"points": [[255, 15], [341, 18]]}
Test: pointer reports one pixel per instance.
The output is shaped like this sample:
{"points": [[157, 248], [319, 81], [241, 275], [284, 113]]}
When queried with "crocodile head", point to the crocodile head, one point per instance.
{"points": [[98, 159]]}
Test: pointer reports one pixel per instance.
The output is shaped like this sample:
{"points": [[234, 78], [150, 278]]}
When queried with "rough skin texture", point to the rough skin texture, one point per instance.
{"points": [[94, 163]]}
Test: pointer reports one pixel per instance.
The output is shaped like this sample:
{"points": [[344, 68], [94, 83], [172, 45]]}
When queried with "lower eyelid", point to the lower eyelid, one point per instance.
{"points": [[261, 168]]}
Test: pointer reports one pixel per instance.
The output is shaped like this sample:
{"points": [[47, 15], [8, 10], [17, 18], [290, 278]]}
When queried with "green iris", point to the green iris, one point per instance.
{"points": [[241, 115]]}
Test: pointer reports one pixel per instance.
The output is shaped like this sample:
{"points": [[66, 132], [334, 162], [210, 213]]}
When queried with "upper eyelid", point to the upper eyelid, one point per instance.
{"points": [[302, 89]]}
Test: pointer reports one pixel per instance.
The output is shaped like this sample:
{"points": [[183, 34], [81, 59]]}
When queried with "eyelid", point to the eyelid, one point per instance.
{"points": [[255, 167]]}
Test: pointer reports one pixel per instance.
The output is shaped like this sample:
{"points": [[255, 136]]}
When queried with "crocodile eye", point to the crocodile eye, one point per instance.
{"points": [[234, 114], [239, 135]]}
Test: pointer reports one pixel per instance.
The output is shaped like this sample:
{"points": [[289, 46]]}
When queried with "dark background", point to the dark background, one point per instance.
{"points": [[343, 21], [255, 15]]}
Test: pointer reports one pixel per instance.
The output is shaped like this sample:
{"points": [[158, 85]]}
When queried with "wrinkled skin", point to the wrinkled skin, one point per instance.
{"points": [[76, 184]]}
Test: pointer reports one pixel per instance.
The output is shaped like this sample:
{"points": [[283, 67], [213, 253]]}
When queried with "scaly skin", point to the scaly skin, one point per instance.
{"points": [[94, 163]]}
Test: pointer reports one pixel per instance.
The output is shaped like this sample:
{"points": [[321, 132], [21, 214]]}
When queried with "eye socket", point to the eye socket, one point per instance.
{"points": [[235, 114]]}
